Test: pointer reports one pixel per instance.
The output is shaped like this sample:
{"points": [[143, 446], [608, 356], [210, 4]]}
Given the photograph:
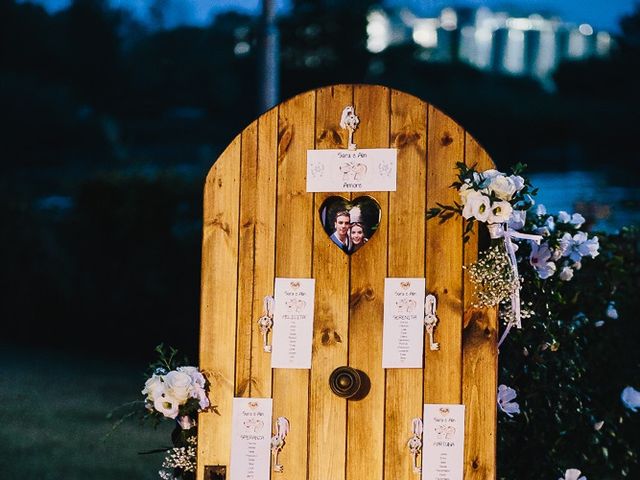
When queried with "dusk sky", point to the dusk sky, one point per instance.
{"points": [[602, 14]]}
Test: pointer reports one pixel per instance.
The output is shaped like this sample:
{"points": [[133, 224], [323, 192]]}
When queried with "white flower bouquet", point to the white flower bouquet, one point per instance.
{"points": [[490, 197], [504, 203], [177, 392]]}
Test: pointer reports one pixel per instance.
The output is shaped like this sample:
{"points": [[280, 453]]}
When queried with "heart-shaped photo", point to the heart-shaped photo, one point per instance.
{"points": [[350, 223]]}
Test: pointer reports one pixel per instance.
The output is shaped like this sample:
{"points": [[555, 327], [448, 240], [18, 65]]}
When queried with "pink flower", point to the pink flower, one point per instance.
{"points": [[573, 474], [505, 395], [539, 259]]}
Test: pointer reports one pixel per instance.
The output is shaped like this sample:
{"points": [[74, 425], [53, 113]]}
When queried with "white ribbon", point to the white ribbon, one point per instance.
{"points": [[416, 424], [499, 230], [415, 443], [268, 306], [277, 442]]}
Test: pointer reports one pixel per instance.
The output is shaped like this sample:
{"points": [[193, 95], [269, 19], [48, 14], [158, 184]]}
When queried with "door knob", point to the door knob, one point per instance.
{"points": [[349, 383]]}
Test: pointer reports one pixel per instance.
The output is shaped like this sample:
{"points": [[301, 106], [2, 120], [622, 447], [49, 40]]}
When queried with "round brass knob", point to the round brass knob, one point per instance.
{"points": [[347, 382]]}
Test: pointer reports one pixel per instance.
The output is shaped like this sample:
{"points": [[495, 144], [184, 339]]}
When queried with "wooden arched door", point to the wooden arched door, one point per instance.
{"points": [[260, 223]]}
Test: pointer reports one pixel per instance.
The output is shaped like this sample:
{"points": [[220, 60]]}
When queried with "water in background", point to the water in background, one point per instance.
{"points": [[603, 199]]}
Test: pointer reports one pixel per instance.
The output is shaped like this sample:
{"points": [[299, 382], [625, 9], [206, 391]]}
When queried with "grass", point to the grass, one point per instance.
{"points": [[53, 412]]}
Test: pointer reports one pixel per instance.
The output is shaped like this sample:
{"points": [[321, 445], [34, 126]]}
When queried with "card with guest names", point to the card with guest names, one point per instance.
{"points": [[443, 442], [250, 439], [403, 328], [361, 170], [293, 322]]}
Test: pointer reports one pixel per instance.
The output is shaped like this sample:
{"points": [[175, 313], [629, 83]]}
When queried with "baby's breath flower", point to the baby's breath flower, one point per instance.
{"points": [[183, 458], [492, 277]]}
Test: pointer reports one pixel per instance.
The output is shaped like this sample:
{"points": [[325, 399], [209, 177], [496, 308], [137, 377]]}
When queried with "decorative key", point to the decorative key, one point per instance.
{"points": [[350, 121], [277, 442], [430, 319], [415, 443], [265, 322]]}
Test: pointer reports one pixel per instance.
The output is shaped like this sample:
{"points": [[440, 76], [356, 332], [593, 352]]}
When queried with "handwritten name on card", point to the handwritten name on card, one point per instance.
{"points": [[250, 439], [403, 329], [293, 323], [364, 170], [443, 442]]}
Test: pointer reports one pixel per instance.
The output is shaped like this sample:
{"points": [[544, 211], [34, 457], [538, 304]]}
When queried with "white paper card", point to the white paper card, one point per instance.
{"points": [[403, 330], [293, 323], [251, 439], [443, 442], [364, 170]]}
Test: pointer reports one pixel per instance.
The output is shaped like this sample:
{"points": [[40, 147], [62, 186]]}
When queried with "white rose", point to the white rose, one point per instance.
{"points": [[178, 385], [503, 187], [167, 405], [477, 206], [500, 212], [195, 375], [489, 174], [483, 179], [153, 387]]}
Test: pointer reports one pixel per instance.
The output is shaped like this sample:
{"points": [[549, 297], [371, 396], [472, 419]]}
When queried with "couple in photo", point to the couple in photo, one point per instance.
{"points": [[349, 231]]}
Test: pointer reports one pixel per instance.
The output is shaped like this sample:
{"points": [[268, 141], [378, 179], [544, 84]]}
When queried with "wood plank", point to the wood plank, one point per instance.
{"points": [[218, 304], [294, 245], [365, 418], [328, 412], [406, 259], [246, 261], [480, 358], [443, 368], [264, 246]]}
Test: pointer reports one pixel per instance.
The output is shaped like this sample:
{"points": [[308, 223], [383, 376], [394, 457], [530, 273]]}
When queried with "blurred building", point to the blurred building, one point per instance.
{"points": [[529, 45]]}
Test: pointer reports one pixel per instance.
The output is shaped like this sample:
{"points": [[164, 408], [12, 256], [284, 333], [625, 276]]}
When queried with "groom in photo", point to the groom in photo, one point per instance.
{"points": [[340, 237]]}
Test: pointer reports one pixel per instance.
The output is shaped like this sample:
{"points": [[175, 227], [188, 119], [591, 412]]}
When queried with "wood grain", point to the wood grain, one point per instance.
{"points": [[406, 259], [443, 368], [365, 418], [259, 223], [246, 258], [480, 358], [218, 304], [328, 412], [294, 244]]}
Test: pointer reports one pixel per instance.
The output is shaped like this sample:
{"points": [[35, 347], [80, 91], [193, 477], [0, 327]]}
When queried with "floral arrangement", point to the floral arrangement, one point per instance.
{"points": [[505, 204], [177, 392], [534, 254]]}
